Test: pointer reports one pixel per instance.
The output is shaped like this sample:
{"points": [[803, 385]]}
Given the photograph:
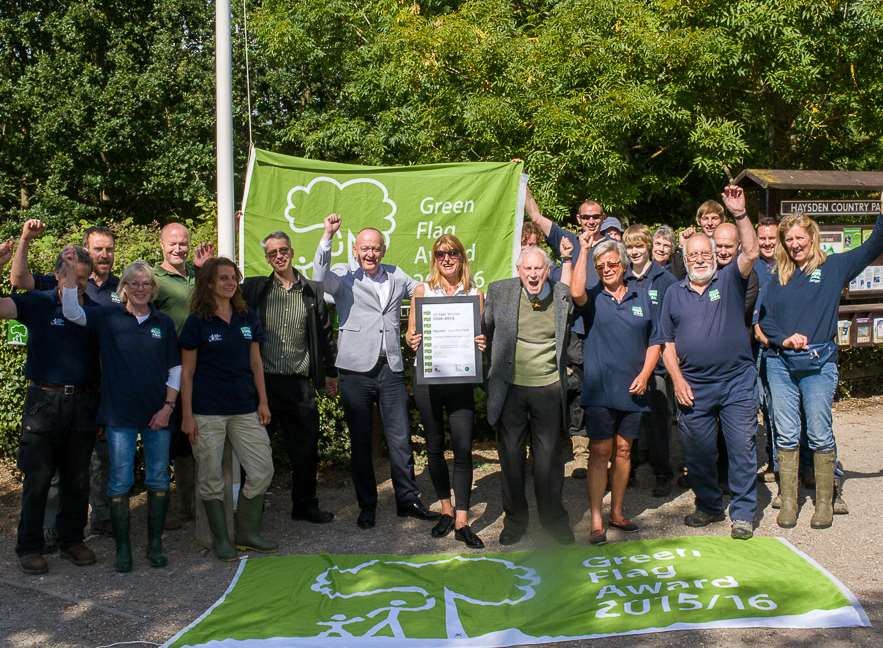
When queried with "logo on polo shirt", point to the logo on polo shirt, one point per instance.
{"points": [[816, 276], [654, 296], [57, 321], [115, 298], [246, 332], [637, 311], [156, 332], [215, 337], [714, 294]]}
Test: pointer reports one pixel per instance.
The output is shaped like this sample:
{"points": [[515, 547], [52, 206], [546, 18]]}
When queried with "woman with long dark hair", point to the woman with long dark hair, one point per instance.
{"points": [[223, 397], [798, 315], [449, 275]]}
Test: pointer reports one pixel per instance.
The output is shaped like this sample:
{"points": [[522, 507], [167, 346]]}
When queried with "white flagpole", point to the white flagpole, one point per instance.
{"points": [[224, 131]]}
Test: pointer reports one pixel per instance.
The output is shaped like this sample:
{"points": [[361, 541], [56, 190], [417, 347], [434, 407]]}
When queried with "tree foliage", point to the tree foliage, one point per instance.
{"points": [[106, 107]]}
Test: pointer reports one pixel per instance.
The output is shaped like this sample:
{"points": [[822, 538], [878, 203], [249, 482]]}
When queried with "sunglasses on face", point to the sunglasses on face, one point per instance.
{"points": [[610, 265], [283, 251], [441, 254], [589, 216]]}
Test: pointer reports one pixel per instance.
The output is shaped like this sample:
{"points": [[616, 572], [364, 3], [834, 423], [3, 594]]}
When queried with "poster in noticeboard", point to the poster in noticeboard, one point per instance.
{"points": [[843, 328], [878, 330], [862, 330]]}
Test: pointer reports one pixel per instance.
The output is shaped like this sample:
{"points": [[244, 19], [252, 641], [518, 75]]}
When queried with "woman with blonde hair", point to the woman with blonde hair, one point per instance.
{"points": [[449, 276], [223, 396], [140, 378], [799, 317]]}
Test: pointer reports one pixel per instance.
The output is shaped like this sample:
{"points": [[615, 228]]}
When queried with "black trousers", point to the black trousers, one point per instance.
{"points": [[658, 425], [295, 418], [532, 414], [58, 433], [359, 391], [459, 403]]}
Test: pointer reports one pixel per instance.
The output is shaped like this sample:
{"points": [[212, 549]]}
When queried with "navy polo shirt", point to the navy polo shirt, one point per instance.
{"points": [[135, 363], [618, 335], [808, 304], [554, 240], [59, 352], [103, 295], [654, 282], [223, 383], [709, 329], [765, 271]]}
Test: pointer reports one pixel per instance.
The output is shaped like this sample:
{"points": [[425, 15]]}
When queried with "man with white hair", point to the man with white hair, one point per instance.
{"points": [[708, 356], [526, 322]]}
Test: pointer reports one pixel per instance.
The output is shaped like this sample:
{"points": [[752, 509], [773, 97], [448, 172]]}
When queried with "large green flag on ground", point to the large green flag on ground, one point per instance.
{"points": [[480, 202], [522, 598]]}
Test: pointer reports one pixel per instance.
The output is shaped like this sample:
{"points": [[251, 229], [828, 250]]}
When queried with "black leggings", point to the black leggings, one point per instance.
{"points": [[458, 401]]}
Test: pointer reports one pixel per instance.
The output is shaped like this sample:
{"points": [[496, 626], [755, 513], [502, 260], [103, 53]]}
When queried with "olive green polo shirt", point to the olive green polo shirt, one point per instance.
{"points": [[174, 294]]}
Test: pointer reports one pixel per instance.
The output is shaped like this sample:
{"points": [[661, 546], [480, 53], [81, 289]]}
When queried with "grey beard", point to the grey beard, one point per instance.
{"points": [[702, 278]]}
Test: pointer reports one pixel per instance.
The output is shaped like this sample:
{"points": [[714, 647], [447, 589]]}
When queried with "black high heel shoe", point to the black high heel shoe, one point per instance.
{"points": [[467, 536]]}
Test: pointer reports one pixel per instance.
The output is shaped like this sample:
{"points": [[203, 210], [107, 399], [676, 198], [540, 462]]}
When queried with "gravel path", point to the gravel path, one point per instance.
{"points": [[94, 606]]}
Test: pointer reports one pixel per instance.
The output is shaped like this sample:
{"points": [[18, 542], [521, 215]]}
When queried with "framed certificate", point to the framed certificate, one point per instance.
{"points": [[448, 353]]}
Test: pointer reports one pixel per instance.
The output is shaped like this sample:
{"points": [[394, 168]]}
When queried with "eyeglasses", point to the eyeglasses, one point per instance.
{"points": [[610, 265], [695, 256], [441, 254], [139, 284], [590, 216], [365, 249], [283, 251]]}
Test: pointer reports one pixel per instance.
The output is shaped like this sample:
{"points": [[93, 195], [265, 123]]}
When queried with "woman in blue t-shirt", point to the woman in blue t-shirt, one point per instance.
{"points": [[140, 377], [223, 397], [620, 352], [799, 317]]}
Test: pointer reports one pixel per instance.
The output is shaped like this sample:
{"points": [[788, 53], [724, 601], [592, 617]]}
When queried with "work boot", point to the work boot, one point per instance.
{"points": [[787, 518], [840, 507], [79, 554], [580, 456], [119, 520], [824, 467], [157, 506], [217, 522], [249, 513], [33, 564]]}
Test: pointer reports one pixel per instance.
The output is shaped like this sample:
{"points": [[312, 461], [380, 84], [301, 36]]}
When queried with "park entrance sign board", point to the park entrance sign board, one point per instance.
{"points": [[817, 208], [522, 598], [482, 203]]}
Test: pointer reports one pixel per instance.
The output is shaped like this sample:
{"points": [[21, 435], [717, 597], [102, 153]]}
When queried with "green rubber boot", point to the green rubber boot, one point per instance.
{"points": [[787, 518], [157, 506], [217, 522], [249, 514], [119, 519], [824, 467]]}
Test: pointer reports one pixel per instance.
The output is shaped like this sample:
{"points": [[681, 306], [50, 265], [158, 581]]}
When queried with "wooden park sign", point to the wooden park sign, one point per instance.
{"points": [[831, 207]]}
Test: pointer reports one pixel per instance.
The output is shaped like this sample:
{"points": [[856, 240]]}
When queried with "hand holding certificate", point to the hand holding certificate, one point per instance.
{"points": [[449, 352]]}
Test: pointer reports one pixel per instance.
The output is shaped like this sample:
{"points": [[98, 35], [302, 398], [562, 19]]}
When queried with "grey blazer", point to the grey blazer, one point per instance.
{"points": [[500, 324], [364, 321]]}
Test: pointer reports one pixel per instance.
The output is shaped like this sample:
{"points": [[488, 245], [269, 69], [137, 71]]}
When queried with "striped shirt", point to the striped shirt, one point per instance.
{"points": [[285, 350]]}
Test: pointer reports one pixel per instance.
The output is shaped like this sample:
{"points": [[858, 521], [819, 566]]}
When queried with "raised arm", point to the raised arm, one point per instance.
{"points": [[322, 260], [734, 201], [580, 270], [70, 296], [20, 275], [863, 255], [533, 212]]}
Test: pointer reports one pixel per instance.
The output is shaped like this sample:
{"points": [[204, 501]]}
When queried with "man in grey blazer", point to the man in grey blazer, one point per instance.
{"points": [[526, 321], [370, 368]]}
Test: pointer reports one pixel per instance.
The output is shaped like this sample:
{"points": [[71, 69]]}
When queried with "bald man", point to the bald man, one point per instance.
{"points": [[175, 280], [726, 244], [370, 367]]}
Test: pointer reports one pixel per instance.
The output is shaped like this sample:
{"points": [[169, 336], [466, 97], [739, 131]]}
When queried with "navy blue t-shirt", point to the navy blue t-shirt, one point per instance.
{"points": [[103, 295], [709, 329], [617, 338], [135, 363], [808, 304], [223, 384], [554, 240], [59, 352], [655, 282]]}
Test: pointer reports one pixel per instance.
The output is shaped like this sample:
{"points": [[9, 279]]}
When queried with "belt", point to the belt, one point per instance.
{"points": [[66, 389]]}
